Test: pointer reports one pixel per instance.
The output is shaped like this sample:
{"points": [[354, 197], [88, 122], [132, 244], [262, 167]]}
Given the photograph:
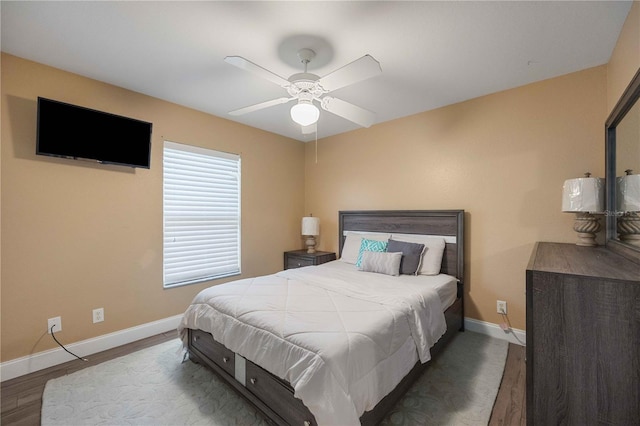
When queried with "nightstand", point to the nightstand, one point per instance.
{"points": [[299, 258]]}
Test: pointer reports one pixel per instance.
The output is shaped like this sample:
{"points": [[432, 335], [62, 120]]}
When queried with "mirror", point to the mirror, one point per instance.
{"points": [[622, 154]]}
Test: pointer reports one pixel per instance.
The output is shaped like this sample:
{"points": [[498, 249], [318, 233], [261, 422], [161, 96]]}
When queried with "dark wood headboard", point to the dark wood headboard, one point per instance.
{"points": [[448, 223]]}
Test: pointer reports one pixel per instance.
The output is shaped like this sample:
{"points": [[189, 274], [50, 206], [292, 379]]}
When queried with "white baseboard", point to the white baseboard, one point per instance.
{"points": [[519, 337], [41, 360]]}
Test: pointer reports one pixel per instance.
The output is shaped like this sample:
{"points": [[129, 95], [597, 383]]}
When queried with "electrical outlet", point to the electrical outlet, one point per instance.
{"points": [[98, 315], [56, 323], [501, 307]]}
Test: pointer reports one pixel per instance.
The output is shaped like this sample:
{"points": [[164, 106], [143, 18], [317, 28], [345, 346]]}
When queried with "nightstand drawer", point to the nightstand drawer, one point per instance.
{"points": [[299, 258], [296, 262]]}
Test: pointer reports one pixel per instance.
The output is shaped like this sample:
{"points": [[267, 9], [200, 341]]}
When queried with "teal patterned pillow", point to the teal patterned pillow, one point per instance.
{"points": [[370, 245]]}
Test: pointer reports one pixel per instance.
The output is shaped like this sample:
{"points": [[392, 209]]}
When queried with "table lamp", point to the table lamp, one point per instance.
{"points": [[584, 196], [628, 203], [310, 229]]}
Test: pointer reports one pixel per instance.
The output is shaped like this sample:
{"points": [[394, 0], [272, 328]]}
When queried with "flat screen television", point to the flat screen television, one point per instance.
{"points": [[71, 131]]}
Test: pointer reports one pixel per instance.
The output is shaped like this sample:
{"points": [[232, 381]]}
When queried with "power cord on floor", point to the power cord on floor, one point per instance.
{"points": [[62, 346], [506, 326]]}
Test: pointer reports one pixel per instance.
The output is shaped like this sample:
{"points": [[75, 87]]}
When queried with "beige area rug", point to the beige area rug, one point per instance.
{"points": [[153, 387]]}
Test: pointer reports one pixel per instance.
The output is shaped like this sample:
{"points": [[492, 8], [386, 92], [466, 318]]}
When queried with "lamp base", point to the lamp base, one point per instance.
{"points": [[586, 225], [629, 229], [311, 244]]}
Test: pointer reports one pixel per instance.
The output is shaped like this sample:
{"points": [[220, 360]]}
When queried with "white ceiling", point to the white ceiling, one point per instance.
{"points": [[432, 54]]}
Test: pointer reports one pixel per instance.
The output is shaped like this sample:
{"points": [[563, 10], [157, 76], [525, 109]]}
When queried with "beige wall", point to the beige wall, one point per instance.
{"points": [[628, 142], [78, 236], [624, 64], [502, 158], [625, 59]]}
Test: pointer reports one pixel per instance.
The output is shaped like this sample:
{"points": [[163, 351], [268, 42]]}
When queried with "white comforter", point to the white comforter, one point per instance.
{"points": [[339, 336]]}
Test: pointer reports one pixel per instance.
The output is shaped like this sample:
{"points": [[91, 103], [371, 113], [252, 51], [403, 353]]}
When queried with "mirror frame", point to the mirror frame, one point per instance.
{"points": [[625, 103]]}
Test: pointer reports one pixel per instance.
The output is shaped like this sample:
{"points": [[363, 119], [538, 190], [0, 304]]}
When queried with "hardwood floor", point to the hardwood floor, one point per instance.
{"points": [[22, 396], [510, 406]]}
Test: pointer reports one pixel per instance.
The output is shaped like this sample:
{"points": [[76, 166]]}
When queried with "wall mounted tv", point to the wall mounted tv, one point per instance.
{"points": [[71, 131]]}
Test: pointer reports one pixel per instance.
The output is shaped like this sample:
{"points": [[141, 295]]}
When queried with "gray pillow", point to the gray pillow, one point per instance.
{"points": [[411, 255], [381, 262]]}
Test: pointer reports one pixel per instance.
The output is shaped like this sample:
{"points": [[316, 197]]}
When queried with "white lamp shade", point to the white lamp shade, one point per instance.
{"points": [[305, 113], [628, 193], [310, 226], [583, 195]]}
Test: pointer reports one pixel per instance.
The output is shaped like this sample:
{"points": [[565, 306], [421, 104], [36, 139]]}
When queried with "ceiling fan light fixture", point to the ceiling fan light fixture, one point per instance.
{"points": [[307, 87], [305, 113]]}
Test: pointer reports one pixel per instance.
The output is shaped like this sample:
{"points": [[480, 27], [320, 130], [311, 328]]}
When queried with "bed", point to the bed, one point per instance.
{"points": [[336, 343]]}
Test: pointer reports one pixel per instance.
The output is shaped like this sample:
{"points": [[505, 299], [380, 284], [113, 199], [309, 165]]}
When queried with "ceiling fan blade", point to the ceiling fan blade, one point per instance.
{"points": [[311, 128], [349, 111], [358, 70], [261, 105], [247, 65]]}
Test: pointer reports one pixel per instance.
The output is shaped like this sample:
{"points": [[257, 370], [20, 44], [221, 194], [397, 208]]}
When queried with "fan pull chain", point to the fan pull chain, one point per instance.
{"points": [[316, 144]]}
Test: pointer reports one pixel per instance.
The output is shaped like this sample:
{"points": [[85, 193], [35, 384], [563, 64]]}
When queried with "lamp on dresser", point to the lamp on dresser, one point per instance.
{"points": [[628, 197], [310, 229], [584, 197]]}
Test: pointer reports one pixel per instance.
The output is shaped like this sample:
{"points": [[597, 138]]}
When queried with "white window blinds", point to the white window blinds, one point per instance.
{"points": [[201, 204]]}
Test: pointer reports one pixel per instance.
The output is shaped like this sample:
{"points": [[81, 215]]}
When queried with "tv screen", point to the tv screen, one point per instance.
{"points": [[71, 131]]}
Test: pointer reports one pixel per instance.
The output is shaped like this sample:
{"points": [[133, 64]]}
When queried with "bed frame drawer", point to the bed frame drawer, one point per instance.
{"points": [[453, 315], [216, 352], [278, 395]]}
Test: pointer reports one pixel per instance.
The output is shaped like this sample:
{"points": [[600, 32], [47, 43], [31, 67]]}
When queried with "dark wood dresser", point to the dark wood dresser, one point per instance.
{"points": [[583, 337], [300, 258]]}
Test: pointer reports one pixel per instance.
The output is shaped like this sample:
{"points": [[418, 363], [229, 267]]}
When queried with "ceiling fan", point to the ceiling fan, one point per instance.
{"points": [[308, 88]]}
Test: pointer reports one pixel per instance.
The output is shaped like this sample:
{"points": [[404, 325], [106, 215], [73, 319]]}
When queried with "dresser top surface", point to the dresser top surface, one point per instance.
{"points": [[585, 261], [303, 253]]}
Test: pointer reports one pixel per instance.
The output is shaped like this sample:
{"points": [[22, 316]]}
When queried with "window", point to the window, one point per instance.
{"points": [[201, 205]]}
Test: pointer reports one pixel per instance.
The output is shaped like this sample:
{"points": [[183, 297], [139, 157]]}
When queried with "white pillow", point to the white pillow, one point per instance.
{"points": [[381, 262], [434, 250], [353, 240]]}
